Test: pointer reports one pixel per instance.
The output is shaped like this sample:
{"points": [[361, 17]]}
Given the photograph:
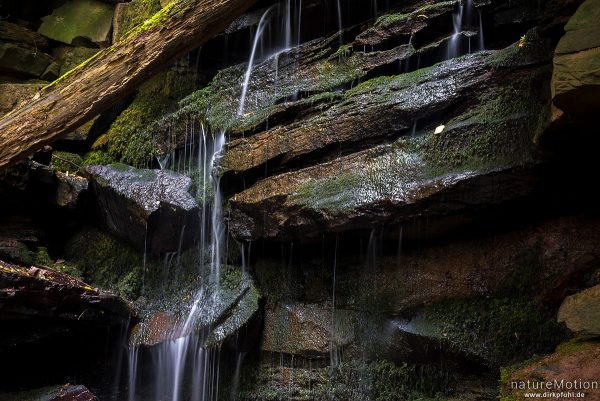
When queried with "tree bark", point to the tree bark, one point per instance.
{"points": [[96, 84]]}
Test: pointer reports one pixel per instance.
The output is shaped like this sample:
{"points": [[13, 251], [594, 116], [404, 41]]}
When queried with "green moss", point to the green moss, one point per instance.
{"points": [[128, 139], [66, 162], [500, 331], [69, 73], [106, 263], [42, 258], [97, 158], [335, 193], [350, 381], [138, 12]]}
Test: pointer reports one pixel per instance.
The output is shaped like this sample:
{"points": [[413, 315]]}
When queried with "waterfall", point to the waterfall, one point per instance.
{"points": [[183, 358], [340, 22], [462, 16], [259, 31], [481, 38], [454, 42]]}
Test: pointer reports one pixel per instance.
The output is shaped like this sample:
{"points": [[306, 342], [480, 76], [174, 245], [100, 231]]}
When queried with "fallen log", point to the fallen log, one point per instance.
{"points": [[99, 82]]}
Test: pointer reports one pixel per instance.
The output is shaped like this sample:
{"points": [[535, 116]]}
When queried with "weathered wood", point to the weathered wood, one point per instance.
{"points": [[114, 72]]}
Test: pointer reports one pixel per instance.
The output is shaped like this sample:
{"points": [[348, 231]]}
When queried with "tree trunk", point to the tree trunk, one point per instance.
{"points": [[96, 84]]}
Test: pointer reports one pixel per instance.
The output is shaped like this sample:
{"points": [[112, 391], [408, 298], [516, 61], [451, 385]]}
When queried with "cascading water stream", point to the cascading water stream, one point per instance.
{"points": [[259, 31], [184, 357], [462, 16]]}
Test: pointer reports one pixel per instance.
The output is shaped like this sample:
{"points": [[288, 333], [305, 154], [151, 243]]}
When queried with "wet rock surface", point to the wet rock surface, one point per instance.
{"points": [[433, 155], [445, 298], [217, 317], [152, 209]]}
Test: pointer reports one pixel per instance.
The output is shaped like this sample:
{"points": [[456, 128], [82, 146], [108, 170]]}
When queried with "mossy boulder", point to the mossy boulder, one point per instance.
{"points": [[106, 262], [88, 19]]}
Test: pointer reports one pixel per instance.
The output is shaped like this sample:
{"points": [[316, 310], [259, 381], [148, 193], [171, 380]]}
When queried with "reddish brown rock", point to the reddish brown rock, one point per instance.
{"points": [[572, 365], [40, 292]]}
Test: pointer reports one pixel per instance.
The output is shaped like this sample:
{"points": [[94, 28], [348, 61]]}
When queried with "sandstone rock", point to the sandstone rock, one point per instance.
{"points": [[89, 19], [309, 330], [69, 190], [13, 94], [152, 209], [581, 312], [65, 392], [22, 61], [43, 293], [575, 362], [576, 80], [488, 142]]}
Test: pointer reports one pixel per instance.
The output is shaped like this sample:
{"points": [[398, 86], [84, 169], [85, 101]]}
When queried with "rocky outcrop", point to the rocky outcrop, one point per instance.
{"points": [[576, 81], [571, 369], [452, 151], [151, 209], [43, 293], [65, 392], [581, 312], [219, 311], [87, 19]]}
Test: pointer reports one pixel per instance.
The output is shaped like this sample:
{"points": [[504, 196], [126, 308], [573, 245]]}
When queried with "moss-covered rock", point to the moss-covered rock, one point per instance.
{"points": [[352, 381], [128, 139], [499, 331], [106, 262], [581, 312], [89, 19], [66, 162]]}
